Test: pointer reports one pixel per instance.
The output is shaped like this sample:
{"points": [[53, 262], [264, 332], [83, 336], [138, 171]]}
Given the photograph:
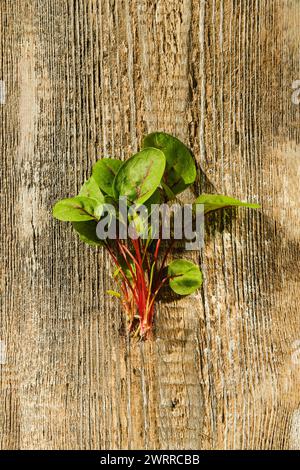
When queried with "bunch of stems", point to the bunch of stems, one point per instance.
{"points": [[140, 277]]}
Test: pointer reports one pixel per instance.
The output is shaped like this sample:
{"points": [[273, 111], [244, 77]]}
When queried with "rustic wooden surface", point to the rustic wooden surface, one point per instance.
{"points": [[85, 79]]}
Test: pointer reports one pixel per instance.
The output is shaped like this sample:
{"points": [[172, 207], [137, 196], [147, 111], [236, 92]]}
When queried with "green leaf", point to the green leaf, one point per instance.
{"points": [[87, 232], [104, 172], [113, 293], [213, 202], [140, 175], [187, 276], [156, 198], [168, 191], [77, 209], [180, 166], [91, 189]]}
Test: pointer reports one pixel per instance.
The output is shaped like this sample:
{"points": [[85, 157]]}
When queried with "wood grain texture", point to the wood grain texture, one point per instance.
{"points": [[85, 79]]}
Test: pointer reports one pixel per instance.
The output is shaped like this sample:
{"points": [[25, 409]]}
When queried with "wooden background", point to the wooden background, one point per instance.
{"points": [[86, 79]]}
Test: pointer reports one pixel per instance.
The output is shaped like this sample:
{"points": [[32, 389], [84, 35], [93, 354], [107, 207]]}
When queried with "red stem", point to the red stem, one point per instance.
{"points": [[144, 290], [120, 269], [121, 248], [157, 249]]}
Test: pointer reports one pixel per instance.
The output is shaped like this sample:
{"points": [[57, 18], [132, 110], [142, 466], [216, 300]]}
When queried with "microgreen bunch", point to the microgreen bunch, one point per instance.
{"points": [[162, 169]]}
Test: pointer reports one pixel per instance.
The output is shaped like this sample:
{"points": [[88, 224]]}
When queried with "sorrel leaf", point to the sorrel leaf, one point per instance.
{"points": [[180, 166], [168, 192], [186, 276], [140, 175], [213, 202], [104, 172], [87, 232], [91, 189], [113, 293], [156, 198], [77, 209]]}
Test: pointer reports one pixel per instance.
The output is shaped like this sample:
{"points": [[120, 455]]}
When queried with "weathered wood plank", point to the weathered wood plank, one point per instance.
{"points": [[87, 78]]}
